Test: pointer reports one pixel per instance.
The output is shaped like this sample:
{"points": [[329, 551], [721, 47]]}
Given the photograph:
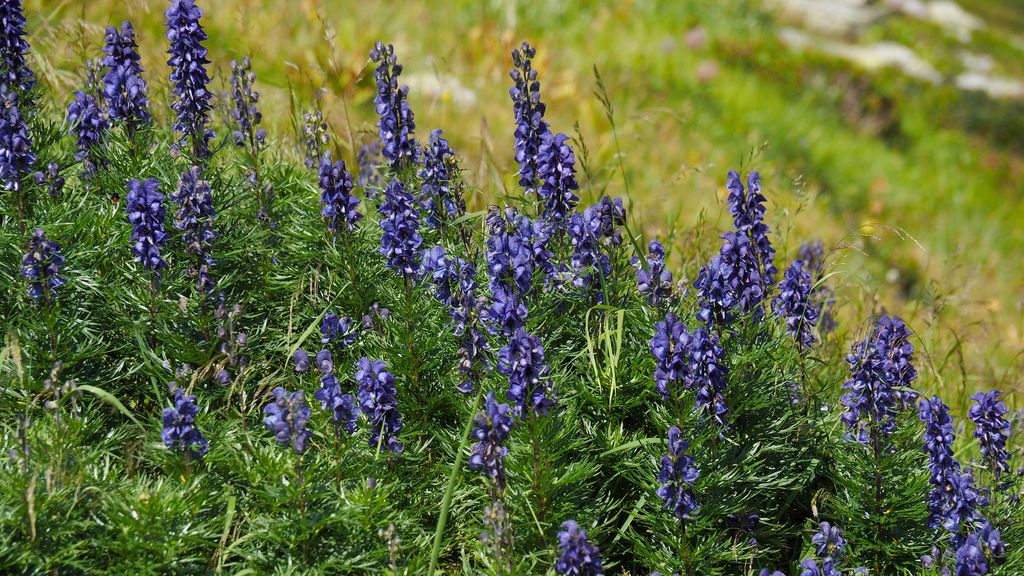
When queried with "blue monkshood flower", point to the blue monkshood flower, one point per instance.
{"points": [[339, 203], [707, 375], [556, 166], [654, 280], [590, 234], [88, 124], [743, 278], [677, 475], [471, 358], [491, 428], [880, 366], [400, 222], [670, 347], [188, 75], [576, 556], [50, 180], [944, 470], [812, 253], [145, 206], [441, 197], [510, 260], [810, 567], [439, 270], [123, 87], [529, 386], [195, 220], [180, 432], [743, 524], [288, 418], [16, 75], [379, 402], [747, 209], [992, 429], [992, 540], [965, 501], [368, 161], [506, 314], [769, 572], [454, 283], [828, 541], [301, 359], [794, 303], [16, 156], [529, 115], [714, 295], [334, 329], [245, 112], [397, 124], [41, 267], [970, 558], [344, 411]]}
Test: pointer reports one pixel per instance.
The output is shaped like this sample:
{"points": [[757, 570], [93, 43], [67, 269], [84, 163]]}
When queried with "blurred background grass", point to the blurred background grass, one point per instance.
{"points": [[917, 186]]}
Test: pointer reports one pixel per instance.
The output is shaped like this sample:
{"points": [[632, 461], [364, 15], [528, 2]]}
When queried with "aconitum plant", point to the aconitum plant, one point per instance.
{"points": [[970, 557], [830, 547], [506, 313], [195, 221], [944, 470], [397, 124], [180, 431], [991, 428], [343, 408], [491, 428], [576, 556], [510, 250], [529, 386], [556, 167], [591, 234], [339, 203], [747, 209], [16, 143], [13, 47], [192, 97], [401, 239], [743, 276], [794, 305], [288, 418], [654, 280], [715, 298], [340, 330], [670, 347], [245, 110], [441, 197], [677, 476], [41, 267], [379, 402], [88, 123], [145, 207], [707, 375], [529, 114], [123, 87]]}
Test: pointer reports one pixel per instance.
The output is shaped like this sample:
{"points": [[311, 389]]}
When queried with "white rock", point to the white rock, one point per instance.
{"points": [[994, 86]]}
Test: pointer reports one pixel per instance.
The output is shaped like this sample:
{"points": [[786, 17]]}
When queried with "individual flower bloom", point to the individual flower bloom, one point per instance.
{"points": [[706, 373], [944, 470], [506, 314], [301, 360], [339, 203], [88, 124], [576, 556], [529, 116], [964, 502], [180, 432], [379, 402], [145, 207], [556, 167], [51, 180], [344, 410], [440, 194], [401, 240], [747, 209], [828, 541], [41, 267], [397, 124], [992, 540], [335, 329], [192, 97], [368, 161], [245, 111], [13, 48], [288, 418], [15, 141], [529, 386], [123, 87], [491, 428], [970, 558], [654, 280], [794, 305], [670, 347], [440, 271], [324, 361], [992, 429], [677, 476], [195, 220]]}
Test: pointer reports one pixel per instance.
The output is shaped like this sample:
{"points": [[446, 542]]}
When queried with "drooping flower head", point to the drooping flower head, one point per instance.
{"points": [[400, 222], [747, 209], [706, 374], [970, 557], [245, 110], [529, 114], [441, 197], [529, 386], [379, 402], [16, 156], [654, 280], [556, 167], [340, 330], [123, 87], [288, 418], [992, 429], [591, 234], [397, 124], [670, 347], [741, 276], [145, 207], [180, 432], [344, 410], [830, 547], [88, 123], [794, 304], [314, 137], [506, 313], [339, 203], [195, 220], [576, 556], [944, 470], [677, 476], [491, 428], [50, 180], [188, 75], [41, 267], [16, 74]]}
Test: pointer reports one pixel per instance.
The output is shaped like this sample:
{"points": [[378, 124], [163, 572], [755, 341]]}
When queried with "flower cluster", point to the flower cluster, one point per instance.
{"points": [[556, 166], [812, 253], [442, 199], [16, 75], [576, 556], [529, 114], [232, 342], [654, 280], [41, 267], [401, 239], [180, 432], [992, 429], [397, 125], [15, 141], [707, 375], [794, 304], [590, 234], [522, 361], [377, 398], [677, 476], [245, 112], [50, 180], [943, 467], [670, 347], [515, 246], [491, 428], [314, 137], [339, 203], [195, 220], [188, 75], [829, 547], [880, 367], [368, 161], [334, 329], [288, 418], [747, 209], [123, 87], [88, 123], [342, 406], [145, 206]]}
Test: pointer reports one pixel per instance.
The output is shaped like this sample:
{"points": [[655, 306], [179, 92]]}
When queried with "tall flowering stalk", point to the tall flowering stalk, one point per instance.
{"points": [[529, 386], [529, 115], [378, 401], [195, 221], [397, 124], [401, 239], [16, 74], [707, 376], [991, 429], [41, 267], [592, 234], [492, 428], [823, 297], [339, 204], [88, 124], [677, 476], [249, 135], [17, 158], [747, 209], [192, 97], [952, 498], [180, 432], [556, 168], [343, 408], [124, 90], [287, 417], [441, 196], [653, 279], [576, 556], [794, 304], [145, 207]]}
